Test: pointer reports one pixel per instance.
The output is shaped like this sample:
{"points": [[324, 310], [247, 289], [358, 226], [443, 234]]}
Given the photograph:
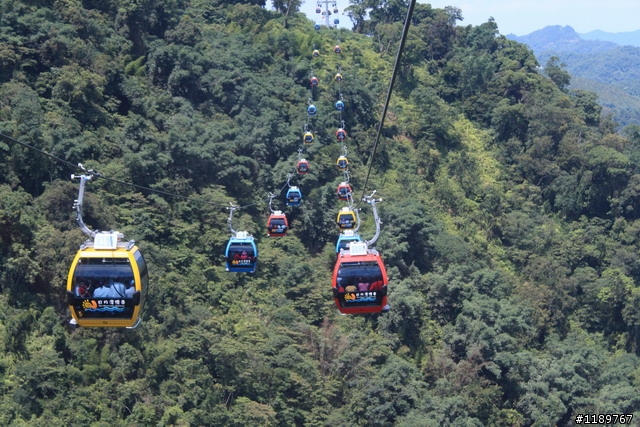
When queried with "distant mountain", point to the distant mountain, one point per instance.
{"points": [[600, 66], [631, 38], [562, 39]]}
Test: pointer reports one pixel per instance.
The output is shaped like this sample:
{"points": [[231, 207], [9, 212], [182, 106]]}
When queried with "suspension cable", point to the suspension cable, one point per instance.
{"points": [[102, 177], [396, 66]]}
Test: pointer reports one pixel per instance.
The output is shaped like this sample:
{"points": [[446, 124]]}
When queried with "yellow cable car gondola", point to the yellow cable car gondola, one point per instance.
{"points": [[107, 283], [347, 218], [307, 138], [342, 162], [108, 279]]}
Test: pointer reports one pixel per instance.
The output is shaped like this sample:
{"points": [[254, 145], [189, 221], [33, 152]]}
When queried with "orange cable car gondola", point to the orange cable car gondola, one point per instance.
{"points": [[341, 134]]}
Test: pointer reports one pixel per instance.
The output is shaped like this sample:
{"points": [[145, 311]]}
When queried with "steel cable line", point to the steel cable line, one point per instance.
{"points": [[396, 66], [99, 175]]}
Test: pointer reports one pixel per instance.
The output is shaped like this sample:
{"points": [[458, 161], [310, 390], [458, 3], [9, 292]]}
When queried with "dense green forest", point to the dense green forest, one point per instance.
{"points": [[511, 221]]}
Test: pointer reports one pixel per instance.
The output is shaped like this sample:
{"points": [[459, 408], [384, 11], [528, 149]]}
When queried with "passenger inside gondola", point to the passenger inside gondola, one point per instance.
{"points": [[277, 225], [359, 277], [102, 278], [82, 289], [346, 221]]}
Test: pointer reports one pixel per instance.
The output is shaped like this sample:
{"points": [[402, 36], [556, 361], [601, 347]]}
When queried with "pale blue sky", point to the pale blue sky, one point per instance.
{"points": [[522, 17]]}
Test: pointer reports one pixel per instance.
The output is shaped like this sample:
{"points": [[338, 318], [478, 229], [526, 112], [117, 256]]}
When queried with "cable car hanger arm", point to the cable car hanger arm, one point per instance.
{"points": [[376, 218], [77, 204]]}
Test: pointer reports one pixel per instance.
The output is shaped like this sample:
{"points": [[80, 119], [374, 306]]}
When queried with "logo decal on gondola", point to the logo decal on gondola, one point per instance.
{"points": [[103, 305], [360, 297]]}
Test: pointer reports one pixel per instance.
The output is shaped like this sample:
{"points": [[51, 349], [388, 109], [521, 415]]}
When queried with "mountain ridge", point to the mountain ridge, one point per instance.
{"points": [[599, 66]]}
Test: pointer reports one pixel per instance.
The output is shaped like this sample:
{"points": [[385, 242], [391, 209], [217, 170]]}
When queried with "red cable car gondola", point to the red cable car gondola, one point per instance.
{"points": [[277, 224], [341, 134], [344, 191], [303, 166], [360, 281], [314, 81]]}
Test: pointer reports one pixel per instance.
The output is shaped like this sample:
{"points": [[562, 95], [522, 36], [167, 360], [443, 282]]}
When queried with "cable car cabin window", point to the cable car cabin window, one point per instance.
{"points": [[144, 275], [346, 220], [277, 223], [104, 288], [360, 284], [277, 227], [241, 256]]}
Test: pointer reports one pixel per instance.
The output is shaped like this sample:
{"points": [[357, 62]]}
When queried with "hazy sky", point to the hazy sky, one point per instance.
{"points": [[522, 17]]}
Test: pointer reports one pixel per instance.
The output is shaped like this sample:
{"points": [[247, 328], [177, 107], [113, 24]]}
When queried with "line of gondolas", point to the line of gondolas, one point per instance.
{"points": [[108, 279], [359, 279]]}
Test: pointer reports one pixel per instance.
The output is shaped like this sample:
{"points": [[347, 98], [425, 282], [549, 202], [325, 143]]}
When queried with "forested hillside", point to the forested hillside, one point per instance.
{"points": [[510, 221], [608, 69]]}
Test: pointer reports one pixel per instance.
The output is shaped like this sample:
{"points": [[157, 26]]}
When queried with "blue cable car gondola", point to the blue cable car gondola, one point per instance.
{"points": [[241, 253], [317, 27], [339, 105], [312, 110], [294, 196], [345, 238]]}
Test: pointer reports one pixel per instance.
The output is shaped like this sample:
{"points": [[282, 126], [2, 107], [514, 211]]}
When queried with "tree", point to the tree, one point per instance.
{"points": [[555, 70]]}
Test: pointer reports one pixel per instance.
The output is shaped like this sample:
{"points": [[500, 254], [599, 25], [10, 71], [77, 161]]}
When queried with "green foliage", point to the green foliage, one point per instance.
{"points": [[509, 221]]}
